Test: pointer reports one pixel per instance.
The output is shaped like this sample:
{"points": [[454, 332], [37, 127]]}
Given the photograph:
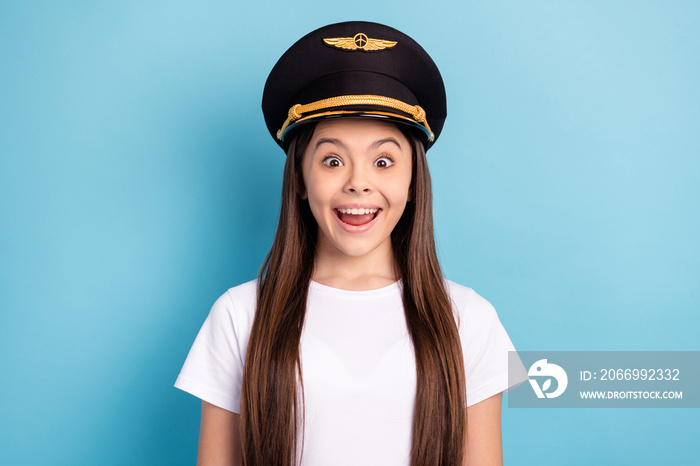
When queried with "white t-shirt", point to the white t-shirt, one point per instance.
{"points": [[358, 367]]}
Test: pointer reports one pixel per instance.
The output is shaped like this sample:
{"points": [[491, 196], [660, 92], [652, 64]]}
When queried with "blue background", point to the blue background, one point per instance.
{"points": [[138, 183]]}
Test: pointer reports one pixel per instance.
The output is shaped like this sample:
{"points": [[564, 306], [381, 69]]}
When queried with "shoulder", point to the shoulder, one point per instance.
{"points": [[485, 345], [244, 293], [213, 370], [469, 306], [237, 305]]}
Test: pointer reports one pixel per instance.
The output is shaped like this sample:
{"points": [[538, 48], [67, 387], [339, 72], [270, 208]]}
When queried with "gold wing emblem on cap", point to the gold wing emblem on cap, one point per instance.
{"points": [[360, 41]]}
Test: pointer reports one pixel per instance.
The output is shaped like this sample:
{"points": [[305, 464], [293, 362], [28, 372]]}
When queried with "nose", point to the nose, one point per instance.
{"points": [[358, 180]]}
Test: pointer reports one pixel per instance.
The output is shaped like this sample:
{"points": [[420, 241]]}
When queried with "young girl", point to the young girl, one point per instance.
{"points": [[351, 348]]}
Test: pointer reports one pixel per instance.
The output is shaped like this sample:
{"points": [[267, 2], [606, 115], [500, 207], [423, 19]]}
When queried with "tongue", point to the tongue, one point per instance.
{"points": [[356, 219]]}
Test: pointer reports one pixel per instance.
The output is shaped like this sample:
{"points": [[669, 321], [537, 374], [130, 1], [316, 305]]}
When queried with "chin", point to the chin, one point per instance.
{"points": [[358, 250]]}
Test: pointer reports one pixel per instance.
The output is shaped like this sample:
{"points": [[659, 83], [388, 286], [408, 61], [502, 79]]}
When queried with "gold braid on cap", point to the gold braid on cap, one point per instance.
{"points": [[298, 110]]}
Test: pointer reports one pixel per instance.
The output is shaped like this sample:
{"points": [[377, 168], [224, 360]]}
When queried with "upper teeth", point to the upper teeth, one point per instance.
{"points": [[357, 211]]}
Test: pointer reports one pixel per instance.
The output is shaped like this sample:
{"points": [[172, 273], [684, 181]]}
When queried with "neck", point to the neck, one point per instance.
{"points": [[367, 272]]}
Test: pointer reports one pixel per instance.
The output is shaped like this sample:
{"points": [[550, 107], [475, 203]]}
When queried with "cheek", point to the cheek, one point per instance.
{"points": [[399, 189], [321, 187], [313, 198], [319, 196], [316, 206]]}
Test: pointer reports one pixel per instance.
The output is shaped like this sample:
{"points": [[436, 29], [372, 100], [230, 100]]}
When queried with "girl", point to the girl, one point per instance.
{"points": [[351, 348]]}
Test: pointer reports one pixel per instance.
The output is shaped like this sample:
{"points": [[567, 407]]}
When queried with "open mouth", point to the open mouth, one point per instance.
{"points": [[356, 217]]}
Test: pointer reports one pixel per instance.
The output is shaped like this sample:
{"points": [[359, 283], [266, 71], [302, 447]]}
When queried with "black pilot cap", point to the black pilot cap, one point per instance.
{"points": [[355, 69]]}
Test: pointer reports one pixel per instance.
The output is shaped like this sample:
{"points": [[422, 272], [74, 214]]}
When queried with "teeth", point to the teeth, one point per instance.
{"points": [[357, 211]]}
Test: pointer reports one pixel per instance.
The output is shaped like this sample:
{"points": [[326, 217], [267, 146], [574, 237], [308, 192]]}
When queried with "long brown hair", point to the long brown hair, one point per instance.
{"points": [[272, 407]]}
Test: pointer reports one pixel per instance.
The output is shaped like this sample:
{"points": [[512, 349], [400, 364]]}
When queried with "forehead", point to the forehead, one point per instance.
{"points": [[358, 131]]}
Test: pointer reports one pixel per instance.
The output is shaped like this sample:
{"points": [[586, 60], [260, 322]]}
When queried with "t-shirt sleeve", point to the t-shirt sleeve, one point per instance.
{"points": [[213, 370], [485, 346]]}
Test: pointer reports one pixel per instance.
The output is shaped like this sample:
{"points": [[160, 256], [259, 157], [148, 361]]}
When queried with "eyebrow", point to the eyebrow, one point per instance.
{"points": [[372, 146], [330, 141], [378, 143]]}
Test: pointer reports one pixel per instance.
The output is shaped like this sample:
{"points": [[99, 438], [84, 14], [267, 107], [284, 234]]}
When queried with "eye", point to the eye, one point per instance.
{"points": [[384, 162], [332, 161]]}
